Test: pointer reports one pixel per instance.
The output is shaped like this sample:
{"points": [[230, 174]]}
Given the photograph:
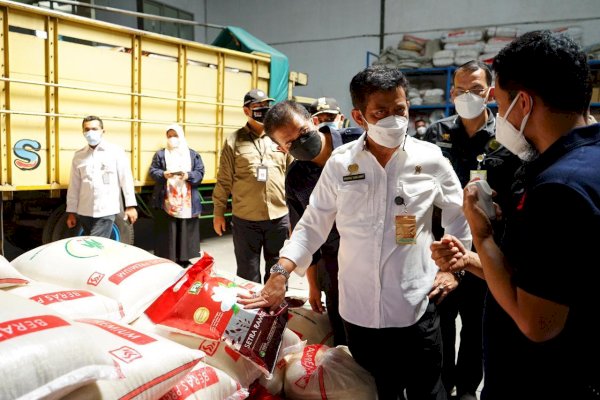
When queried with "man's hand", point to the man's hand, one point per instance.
{"points": [[444, 283], [480, 224], [449, 254], [168, 174], [272, 295], [219, 225], [131, 214], [71, 220]]}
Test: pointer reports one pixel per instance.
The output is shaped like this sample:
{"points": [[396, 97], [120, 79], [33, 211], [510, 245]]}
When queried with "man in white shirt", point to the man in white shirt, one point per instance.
{"points": [[380, 190], [99, 173]]}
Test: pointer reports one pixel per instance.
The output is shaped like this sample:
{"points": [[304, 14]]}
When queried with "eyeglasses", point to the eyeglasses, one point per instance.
{"points": [[478, 92]]}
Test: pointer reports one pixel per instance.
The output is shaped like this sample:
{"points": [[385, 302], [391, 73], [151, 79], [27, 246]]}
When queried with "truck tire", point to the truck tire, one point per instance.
{"points": [[51, 223], [122, 231]]}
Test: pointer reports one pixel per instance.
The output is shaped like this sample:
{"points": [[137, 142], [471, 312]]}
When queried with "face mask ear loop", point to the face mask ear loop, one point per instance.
{"points": [[404, 142]]}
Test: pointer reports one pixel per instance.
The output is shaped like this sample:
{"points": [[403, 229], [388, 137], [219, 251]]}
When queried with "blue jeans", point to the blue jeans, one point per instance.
{"points": [[101, 226]]}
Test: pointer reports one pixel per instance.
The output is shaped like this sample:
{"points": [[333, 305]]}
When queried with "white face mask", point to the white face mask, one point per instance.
{"points": [[469, 105], [513, 138], [388, 132], [173, 142], [421, 131], [93, 136]]}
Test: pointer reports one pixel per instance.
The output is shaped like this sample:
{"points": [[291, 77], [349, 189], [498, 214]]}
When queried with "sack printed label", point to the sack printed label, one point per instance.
{"points": [[121, 331], [24, 326], [95, 279], [193, 382], [84, 247], [126, 354], [209, 347], [56, 297], [309, 363], [131, 269]]}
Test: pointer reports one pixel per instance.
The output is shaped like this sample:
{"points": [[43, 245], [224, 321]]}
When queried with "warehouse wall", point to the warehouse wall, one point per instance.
{"points": [[330, 39]]}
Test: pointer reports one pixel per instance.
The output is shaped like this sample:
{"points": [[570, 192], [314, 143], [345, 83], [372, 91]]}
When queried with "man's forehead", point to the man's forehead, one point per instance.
{"points": [[466, 76]]}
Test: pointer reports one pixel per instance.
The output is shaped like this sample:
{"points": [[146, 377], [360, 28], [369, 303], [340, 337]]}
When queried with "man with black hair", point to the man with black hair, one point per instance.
{"points": [[468, 141], [284, 122], [380, 191], [252, 170], [538, 341]]}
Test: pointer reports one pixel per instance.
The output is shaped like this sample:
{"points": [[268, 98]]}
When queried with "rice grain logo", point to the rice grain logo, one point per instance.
{"points": [[95, 279], [126, 354], [84, 247]]}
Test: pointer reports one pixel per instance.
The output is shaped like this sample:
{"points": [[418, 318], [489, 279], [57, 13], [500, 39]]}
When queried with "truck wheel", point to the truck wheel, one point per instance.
{"points": [[121, 231], [51, 223]]}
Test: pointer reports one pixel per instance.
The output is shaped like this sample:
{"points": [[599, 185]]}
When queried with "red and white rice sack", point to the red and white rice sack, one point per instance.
{"points": [[150, 365], [45, 355], [73, 303], [9, 276], [127, 274]]}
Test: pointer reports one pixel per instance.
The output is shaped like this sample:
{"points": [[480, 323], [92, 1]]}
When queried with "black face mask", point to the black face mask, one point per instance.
{"points": [[306, 147], [258, 113]]}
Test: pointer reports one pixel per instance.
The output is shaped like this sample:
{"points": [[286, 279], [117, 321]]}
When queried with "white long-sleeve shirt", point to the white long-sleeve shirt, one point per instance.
{"points": [[97, 178], [382, 284]]}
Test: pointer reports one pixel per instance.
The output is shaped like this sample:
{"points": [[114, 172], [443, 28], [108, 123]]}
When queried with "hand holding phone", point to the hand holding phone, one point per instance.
{"points": [[484, 197]]}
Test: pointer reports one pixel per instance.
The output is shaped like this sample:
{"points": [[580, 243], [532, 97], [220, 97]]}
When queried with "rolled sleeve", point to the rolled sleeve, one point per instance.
{"points": [[450, 200]]}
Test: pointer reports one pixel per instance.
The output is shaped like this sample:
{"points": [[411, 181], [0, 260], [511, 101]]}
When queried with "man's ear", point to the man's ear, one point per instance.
{"points": [[492, 95], [247, 112], [315, 121], [358, 118]]}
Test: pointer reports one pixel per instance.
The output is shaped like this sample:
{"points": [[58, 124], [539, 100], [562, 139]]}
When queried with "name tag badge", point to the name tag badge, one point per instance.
{"points": [[406, 229], [262, 173], [106, 178], [478, 173], [355, 177]]}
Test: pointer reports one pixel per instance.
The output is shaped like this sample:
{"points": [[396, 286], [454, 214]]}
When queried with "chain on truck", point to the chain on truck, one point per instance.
{"points": [[57, 68]]}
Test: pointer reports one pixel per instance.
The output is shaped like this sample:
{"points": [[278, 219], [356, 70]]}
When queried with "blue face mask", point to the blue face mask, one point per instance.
{"points": [[93, 137], [331, 125]]}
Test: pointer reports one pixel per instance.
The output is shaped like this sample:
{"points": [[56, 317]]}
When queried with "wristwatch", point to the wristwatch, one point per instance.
{"points": [[278, 269]]}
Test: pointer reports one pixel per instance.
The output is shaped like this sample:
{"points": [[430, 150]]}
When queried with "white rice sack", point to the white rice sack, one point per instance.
{"points": [[204, 382], [462, 35], [320, 372], [477, 46], [9, 276], [73, 303], [150, 364], [217, 353], [291, 344], [45, 355], [443, 62], [311, 326], [127, 274]]}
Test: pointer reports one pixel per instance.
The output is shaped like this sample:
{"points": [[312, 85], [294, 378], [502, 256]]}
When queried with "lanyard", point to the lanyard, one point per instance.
{"points": [[260, 153]]}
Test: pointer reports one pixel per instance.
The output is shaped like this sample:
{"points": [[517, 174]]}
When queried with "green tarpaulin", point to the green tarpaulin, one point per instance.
{"points": [[236, 38]]}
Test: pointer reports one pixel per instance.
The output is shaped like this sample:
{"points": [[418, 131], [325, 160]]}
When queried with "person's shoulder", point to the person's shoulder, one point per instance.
{"points": [[350, 133], [424, 146], [346, 149]]}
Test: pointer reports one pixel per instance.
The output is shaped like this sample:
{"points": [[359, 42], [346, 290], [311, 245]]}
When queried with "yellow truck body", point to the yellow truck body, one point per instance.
{"points": [[57, 68]]}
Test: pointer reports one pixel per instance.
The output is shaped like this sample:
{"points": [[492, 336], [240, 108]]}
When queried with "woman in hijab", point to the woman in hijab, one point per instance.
{"points": [[177, 171]]}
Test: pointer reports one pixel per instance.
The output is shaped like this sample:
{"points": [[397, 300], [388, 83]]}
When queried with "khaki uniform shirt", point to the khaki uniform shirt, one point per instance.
{"points": [[252, 200]]}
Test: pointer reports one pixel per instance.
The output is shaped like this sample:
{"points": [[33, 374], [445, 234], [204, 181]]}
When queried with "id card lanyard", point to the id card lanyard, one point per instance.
{"points": [[479, 173], [262, 172], [406, 224]]}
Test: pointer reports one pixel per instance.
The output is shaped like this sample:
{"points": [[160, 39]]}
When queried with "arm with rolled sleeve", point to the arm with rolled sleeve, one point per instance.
{"points": [[450, 200], [313, 228]]}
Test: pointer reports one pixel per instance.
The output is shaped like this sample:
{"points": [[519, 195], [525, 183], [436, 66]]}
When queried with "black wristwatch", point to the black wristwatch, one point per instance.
{"points": [[278, 269]]}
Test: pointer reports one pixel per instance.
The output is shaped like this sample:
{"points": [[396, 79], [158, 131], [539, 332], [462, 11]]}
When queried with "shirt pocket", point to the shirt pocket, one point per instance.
{"points": [[85, 172], [246, 159], [419, 196], [353, 203]]}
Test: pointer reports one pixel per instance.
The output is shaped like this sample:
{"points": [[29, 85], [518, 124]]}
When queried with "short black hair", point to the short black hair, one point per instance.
{"points": [[281, 114], [376, 78], [549, 65], [93, 118], [475, 65]]}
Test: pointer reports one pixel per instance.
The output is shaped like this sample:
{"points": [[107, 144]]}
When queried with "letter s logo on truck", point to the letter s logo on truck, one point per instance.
{"points": [[26, 151]]}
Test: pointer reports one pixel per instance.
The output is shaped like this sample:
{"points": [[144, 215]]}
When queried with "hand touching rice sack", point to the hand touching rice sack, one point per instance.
{"points": [[125, 273], [206, 306]]}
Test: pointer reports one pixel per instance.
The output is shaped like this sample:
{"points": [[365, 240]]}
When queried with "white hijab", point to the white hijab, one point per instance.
{"points": [[178, 158]]}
